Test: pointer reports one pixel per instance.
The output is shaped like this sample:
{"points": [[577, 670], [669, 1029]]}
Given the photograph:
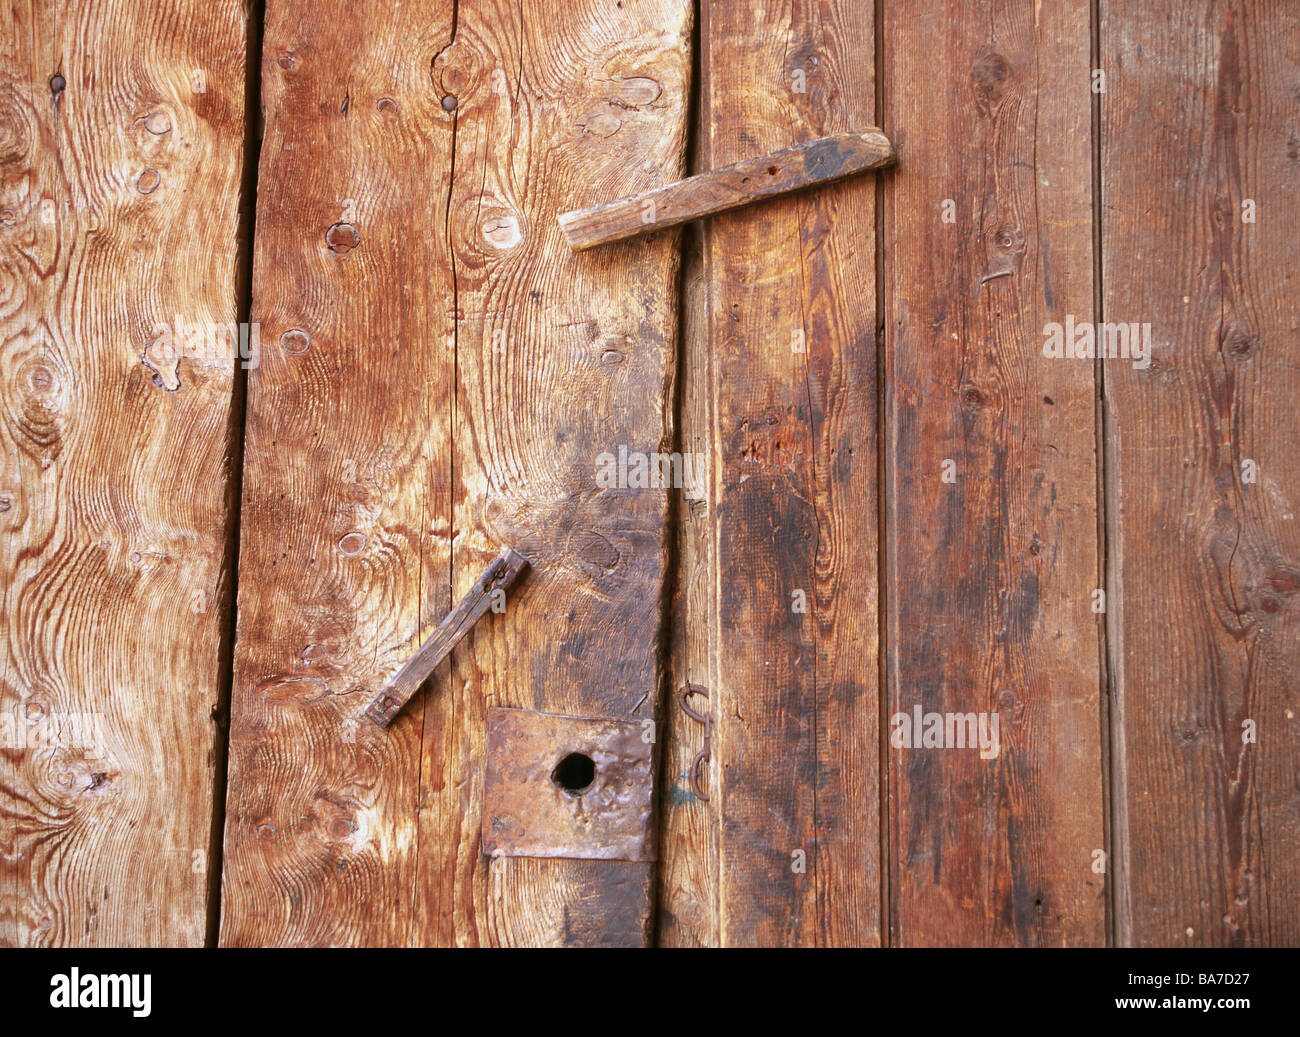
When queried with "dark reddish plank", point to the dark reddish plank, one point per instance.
{"points": [[792, 501], [991, 476]]}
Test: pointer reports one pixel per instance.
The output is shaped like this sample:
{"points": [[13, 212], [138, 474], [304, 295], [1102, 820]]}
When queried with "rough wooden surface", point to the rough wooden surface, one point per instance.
{"points": [[512, 365], [119, 188], [990, 575], [440, 375], [687, 914], [560, 358], [487, 593], [346, 520], [812, 163], [793, 495], [1200, 117]]}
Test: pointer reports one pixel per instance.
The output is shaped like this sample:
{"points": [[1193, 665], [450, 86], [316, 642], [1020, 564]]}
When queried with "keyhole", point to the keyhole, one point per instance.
{"points": [[575, 774]]}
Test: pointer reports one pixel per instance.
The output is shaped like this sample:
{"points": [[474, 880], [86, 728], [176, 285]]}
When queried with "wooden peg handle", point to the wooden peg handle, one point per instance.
{"points": [[500, 575], [792, 169]]}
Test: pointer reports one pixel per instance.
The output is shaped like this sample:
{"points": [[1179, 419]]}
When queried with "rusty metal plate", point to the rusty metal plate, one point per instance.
{"points": [[562, 786]]}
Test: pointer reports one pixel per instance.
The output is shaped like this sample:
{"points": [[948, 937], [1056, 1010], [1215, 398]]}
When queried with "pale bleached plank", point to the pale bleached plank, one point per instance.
{"points": [[119, 242]]}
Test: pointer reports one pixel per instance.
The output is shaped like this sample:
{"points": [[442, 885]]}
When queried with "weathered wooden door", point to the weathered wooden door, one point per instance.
{"points": [[862, 607], [441, 376]]}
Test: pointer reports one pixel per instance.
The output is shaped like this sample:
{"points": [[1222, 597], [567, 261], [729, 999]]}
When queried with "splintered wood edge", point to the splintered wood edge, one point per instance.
{"points": [[821, 161]]}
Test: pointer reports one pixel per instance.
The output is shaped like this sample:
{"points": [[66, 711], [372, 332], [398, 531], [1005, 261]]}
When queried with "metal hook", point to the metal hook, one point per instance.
{"points": [[705, 754]]}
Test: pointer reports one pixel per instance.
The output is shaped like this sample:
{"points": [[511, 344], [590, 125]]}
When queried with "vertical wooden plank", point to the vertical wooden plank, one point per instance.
{"points": [[347, 502], [991, 475], [688, 874], [1199, 119], [793, 488], [463, 375], [560, 359], [119, 214]]}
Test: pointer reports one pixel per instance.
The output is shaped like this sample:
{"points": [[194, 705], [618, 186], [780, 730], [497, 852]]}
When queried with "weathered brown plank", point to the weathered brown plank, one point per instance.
{"points": [[347, 502], [560, 358], [120, 174], [813, 163], [687, 914], [1199, 117], [792, 462], [990, 575], [464, 373]]}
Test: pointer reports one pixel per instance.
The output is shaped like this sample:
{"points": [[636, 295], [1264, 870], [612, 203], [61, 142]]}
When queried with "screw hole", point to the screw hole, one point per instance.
{"points": [[575, 774], [771, 170]]}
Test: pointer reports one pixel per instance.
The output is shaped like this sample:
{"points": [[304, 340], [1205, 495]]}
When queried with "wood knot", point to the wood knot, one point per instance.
{"points": [[1237, 343], [299, 691], [1008, 240], [158, 123], [594, 550], [635, 92], [352, 543], [600, 124], [163, 361], [502, 232], [147, 182], [971, 396], [1283, 579], [1225, 212], [342, 238], [295, 341], [41, 380], [988, 76]]}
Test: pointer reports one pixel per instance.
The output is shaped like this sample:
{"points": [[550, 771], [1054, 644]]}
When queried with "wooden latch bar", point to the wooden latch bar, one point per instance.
{"points": [[500, 576], [820, 161]]}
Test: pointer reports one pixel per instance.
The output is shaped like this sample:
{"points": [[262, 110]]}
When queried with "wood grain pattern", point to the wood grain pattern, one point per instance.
{"points": [[1200, 115], [813, 163], [990, 574], [346, 522], [119, 220], [687, 903], [561, 358], [487, 592], [458, 388], [439, 376], [792, 319]]}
